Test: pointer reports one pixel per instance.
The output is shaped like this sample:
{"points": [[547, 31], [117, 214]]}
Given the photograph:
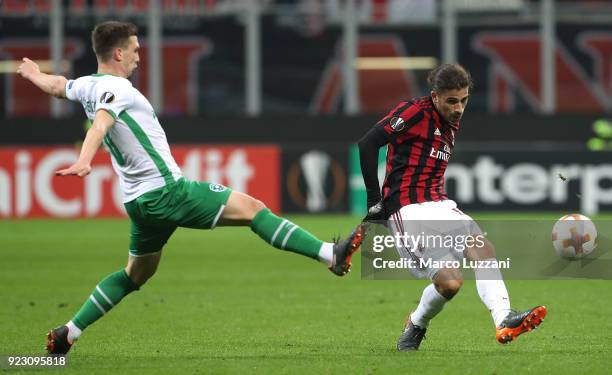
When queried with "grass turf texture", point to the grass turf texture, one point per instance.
{"points": [[224, 302]]}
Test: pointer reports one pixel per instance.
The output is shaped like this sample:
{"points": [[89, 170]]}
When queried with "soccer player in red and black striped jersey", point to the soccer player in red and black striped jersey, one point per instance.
{"points": [[420, 136]]}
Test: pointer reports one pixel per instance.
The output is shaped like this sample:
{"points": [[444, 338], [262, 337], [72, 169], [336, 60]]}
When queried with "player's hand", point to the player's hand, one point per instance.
{"points": [[28, 68], [376, 213], [79, 168]]}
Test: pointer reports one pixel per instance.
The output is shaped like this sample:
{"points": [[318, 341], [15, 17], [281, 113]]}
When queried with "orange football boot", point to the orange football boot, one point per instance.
{"points": [[517, 323]]}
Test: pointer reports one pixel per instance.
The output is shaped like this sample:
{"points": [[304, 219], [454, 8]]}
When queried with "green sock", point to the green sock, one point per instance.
{"points": [[285, 235], [105, 296]]}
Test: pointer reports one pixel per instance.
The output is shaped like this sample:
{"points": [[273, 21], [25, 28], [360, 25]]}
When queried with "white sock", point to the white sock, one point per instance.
{"points": [[326, 253], [430, 305], [493, 293], [73, 332]]}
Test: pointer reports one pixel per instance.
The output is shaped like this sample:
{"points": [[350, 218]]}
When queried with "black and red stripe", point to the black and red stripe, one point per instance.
{"points": [[415, 172]]}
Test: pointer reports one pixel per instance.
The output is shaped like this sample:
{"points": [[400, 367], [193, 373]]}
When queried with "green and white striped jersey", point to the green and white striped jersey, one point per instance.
{"points": [[138, 145]]}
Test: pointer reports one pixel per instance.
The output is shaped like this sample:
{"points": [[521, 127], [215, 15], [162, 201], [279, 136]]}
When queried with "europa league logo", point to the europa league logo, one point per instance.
{"points": [[316, 166]]}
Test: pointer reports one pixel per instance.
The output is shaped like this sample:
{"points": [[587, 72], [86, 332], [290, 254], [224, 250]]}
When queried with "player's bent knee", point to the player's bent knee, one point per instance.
{"points": [[251, 207], [141, 278], [257, 205], [453, 286], [141, 269], [448, 287], [242, 208]]}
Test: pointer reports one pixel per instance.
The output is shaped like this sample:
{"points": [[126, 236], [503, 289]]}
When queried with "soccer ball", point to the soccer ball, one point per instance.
{"points": [[574, 236]]}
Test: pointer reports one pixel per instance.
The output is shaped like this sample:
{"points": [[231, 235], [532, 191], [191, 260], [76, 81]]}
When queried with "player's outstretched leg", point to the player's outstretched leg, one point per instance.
{"points": [[242, 209], [519, 322], [493, 293], [106, 295], [490, 283]]}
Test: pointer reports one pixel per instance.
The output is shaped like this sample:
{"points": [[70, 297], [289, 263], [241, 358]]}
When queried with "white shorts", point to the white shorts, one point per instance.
{"points": [[441, 226]]}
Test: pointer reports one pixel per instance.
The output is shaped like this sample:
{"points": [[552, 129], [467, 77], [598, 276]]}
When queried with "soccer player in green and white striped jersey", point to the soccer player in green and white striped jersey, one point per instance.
{"points": [[156, 196]]}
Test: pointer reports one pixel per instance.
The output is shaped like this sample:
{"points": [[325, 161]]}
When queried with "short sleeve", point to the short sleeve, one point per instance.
{"points": [[73, 88], [114, 96]]}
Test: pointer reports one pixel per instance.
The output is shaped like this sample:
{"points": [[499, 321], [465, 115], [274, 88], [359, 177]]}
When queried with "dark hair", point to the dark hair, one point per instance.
{"points": [[107, 36], [449, 77]]}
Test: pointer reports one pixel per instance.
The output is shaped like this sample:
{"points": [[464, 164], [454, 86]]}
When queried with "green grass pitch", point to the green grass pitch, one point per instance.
{"points": [[225, 302]]}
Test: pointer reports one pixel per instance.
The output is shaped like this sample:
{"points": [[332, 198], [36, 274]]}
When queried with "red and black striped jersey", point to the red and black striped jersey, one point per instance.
{"points": [[420, 145]]}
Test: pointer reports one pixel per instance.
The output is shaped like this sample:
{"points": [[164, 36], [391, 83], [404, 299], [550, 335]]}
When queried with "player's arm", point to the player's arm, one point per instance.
{"points": [[401, 120], [51, 84], [102, 122], [369, 145]]}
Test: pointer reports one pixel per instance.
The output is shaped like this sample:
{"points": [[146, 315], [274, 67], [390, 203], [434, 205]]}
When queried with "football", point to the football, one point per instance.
{"points": [[574, 236]]}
